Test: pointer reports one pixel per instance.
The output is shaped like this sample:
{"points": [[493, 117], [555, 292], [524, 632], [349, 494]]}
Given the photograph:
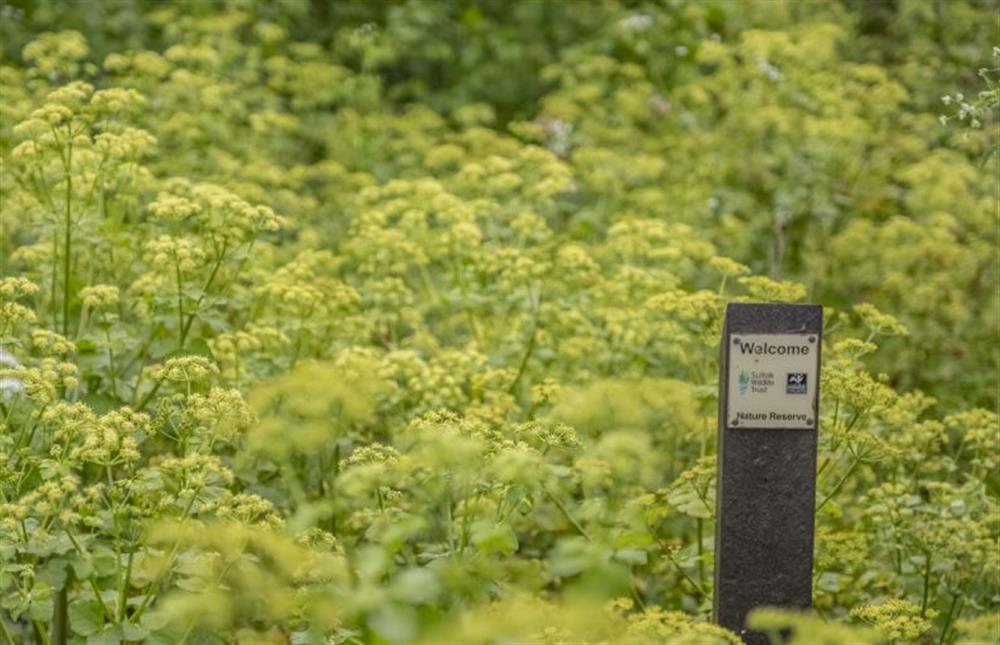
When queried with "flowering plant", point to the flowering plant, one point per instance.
{"points": [[411, 334]]}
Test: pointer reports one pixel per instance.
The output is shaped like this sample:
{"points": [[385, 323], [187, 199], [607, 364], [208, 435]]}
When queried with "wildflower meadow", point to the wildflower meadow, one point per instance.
{"points": [[398, 321]]}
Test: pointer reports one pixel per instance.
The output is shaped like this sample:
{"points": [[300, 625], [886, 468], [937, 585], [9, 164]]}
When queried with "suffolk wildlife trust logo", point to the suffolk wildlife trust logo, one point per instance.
{"points": [[796, 383], [744, 382]]}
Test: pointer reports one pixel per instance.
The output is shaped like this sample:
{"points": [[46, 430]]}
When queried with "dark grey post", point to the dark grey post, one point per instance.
{"points": [[768, 423]]}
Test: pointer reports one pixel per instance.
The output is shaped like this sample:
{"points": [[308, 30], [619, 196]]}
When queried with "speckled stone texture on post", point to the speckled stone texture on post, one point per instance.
{"points": [[766, 492]]}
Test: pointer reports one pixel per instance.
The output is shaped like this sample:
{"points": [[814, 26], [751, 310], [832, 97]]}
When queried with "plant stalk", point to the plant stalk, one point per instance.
{"points": [[68, 238]]}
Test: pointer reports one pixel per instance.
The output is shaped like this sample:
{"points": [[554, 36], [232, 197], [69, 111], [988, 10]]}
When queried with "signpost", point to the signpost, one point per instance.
{"points": [[768, 422]]}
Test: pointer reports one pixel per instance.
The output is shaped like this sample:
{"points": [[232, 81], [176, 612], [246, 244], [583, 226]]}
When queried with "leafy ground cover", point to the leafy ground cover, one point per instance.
{"points": [[398, 322]]}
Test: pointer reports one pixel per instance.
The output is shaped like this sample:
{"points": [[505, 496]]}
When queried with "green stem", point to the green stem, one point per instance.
{"points": [[149, 395], [948, 618], [123, 584], [701, 558], [187, 632], [298, 346], [697, 587], [54, 287], [8, 637], [635, 592], [68, 239], [218, 581], [60, 609], [429, 287], [467, 518], [112, 372], [927, 584], [93, 584], [836, 488], [180, 304], [332, 491], [41, 632], [154, 586], [567, 514], [526, 357], [450, 519], [201, 296]]}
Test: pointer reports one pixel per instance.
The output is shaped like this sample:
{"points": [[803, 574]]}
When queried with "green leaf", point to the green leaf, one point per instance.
{"points": [[83, 568], [53, 572], [575, 554], [394, 623], [153, 621], [686, 500], [634, 539], [50, 468], [85, 346], [416, 586], [489, 537], [602, 582], [105, 561], [86, 617], [101, 402], [133, 632], [192, 584], [40, 603], [110, 634], [199, 347], [149, 480], [634, 557]]}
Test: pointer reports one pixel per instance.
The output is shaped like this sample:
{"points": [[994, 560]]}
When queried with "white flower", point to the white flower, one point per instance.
{"points": [[10, 387], [769, 70], [7, 359], [946, 99], [636, 22]]}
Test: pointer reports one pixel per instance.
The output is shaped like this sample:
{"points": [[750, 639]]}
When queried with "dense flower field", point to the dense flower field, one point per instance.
{"points": [[398, 322]]}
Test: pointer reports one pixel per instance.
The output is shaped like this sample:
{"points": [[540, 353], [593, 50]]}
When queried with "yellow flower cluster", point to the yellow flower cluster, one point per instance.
{"points": [[181, 254], [896, 619], [184, 369], [99, 296], [113, 438], [50, 343]]}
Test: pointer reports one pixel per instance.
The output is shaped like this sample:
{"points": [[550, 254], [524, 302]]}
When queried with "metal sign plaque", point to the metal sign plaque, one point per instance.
{"points": [[772, 381]]}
